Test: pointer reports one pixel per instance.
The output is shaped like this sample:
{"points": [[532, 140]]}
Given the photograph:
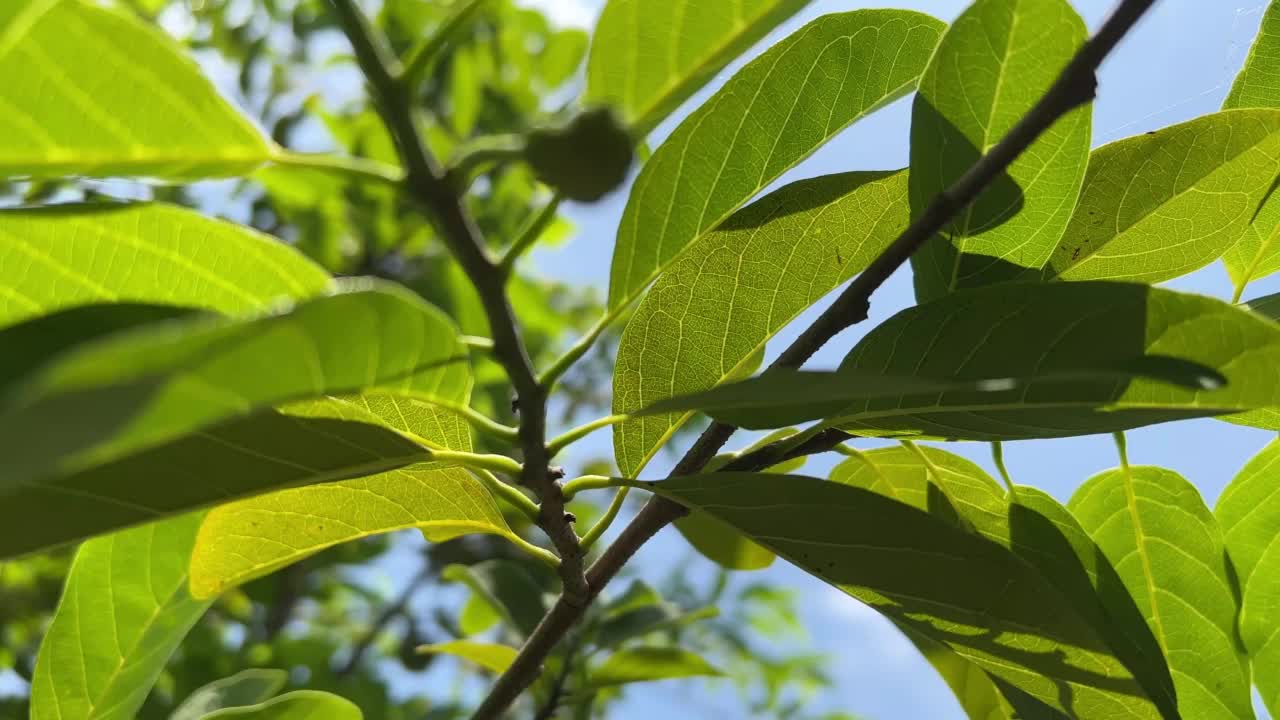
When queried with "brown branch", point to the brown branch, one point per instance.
{"points": [[427, 183], [1075, 86]]}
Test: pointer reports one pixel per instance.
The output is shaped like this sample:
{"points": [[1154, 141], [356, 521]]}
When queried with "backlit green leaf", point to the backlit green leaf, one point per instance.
{"points": [[508, 587], [124, 610], [722, 544], [52, 258], [141, 388], [1017, 330], [1257, 254], [1249, 513], [712, 311], [1157, 206], [646, 664], [648, 56], [776, 111], [247, 687], [490, 656], [251, 538], [297, 705], [994, 62], [313, 443], [640, 611], [981, 696], [1164, 542], [1038, 627], [94, 91]]}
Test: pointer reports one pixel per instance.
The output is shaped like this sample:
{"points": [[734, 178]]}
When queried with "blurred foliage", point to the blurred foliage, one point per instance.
{"points": [[506, 71]]}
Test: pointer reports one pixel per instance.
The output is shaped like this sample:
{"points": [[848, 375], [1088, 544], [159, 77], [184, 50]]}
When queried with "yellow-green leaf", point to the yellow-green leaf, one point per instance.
{"points": [[95, 91], [1249, 513], [995, 61], [1160, 205], [491, 656], [57, 257], [776, 111], [648, 56], [248, 539], [297, 705], [1257, 254], [713, 310], [1165, 544], [123, 612]]}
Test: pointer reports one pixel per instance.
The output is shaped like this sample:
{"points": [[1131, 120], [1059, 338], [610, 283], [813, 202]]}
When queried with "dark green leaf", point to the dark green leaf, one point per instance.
{"points": [[1017, 330], [139, 389], [1041, 628]]}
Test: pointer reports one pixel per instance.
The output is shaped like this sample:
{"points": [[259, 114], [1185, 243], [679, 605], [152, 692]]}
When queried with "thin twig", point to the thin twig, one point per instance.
{"points": [[420, 57], [530, 234], [427, 184], [1075, 86]]}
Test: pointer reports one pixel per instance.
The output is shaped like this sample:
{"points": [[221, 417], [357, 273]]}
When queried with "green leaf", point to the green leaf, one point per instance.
{"points": [[776, 111], [490, 656], [313, 443], [994, 62], [722, 544], [981, 696], [247, 687], [248, 539], [97, 92], [142, 388], [1256, 85], [509, 589], [1257, 254], [640, 611], [53, 258], [124, 610], [646, 664], [297, 705], [1042, 629], [711, 313], [1249, 513], [477, 615], [1037, 529], [783, 396], [1157, 532], [1268, 305], [648, 56], [1021, 330], [1160, 205]]}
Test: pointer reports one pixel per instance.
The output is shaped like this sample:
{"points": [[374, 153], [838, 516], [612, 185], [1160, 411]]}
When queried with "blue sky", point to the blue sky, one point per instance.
{"points": [[1178, 64]]}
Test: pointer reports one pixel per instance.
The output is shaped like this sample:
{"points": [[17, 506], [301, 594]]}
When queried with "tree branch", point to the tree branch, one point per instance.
{"points": [[389, 613], [427, 183], [1075, 86]]}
